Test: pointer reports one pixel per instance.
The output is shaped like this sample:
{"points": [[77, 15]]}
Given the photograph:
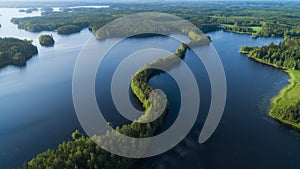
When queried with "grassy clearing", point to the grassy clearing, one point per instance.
{"points": [[287, 96], [227, 25], [257, 29], [254, 30]]}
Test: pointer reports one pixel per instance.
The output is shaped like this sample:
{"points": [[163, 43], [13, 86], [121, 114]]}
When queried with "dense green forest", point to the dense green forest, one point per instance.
{"points": [[63, 25], [46, 40], [285, 55], [80, 153], [254, 18], [15, 51]]}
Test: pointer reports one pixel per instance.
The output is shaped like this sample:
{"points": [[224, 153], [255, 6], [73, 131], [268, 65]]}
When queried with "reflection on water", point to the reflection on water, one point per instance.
{"points": [[37, 110], [246, 137]]}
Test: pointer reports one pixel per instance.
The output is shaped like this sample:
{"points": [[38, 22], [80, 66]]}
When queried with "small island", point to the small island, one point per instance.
{"points": [[15, 51], [29, 10], [46, 40]]}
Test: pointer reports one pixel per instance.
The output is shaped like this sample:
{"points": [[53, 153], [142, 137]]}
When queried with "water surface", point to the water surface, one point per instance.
{"points": [[37, 112], [246, 136]]}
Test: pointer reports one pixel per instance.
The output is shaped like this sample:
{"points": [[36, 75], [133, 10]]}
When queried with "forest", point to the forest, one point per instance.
{"points": [[238, 17], [285, 55], [46, 40], [62, 25], [290, 113], [15, 51]]}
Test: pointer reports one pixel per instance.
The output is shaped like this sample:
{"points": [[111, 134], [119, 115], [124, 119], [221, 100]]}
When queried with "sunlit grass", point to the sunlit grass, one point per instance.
{"points": [[287, 96], [257, 29]]}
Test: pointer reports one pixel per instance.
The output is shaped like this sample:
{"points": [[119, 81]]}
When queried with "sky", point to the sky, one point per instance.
{"points": [[135, 0]]}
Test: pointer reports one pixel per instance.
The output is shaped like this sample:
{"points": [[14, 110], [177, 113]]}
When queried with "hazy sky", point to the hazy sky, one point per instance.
{"points": [[136, 0]]}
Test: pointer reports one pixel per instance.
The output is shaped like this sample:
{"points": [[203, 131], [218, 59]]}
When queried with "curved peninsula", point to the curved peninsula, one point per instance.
{"points": [[82, 152], [16, 52], [286, 56]]}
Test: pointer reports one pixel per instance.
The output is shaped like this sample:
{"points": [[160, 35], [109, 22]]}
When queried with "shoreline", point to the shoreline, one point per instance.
{"points": [[275, 101]]}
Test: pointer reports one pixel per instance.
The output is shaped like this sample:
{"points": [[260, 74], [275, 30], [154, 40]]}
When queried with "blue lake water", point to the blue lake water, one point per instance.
{"points": [[37, 112], [246, 136]]}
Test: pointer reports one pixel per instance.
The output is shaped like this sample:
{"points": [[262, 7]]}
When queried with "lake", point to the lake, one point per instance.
{"points": [[246, 136], [37, 111]]}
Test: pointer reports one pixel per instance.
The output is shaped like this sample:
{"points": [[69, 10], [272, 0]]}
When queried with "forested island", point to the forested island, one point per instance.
{"points": [[16, 52], [29, 10], [46, 40], [286, 56], [46, 9]]}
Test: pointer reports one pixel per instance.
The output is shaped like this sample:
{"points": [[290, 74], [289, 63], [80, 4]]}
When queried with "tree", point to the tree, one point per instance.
{"points": [[46, 40], [16, 52]]}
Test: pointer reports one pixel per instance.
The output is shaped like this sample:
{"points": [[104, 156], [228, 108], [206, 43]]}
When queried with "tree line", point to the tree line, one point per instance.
{"points": [[240, 19], [286, 54]]}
